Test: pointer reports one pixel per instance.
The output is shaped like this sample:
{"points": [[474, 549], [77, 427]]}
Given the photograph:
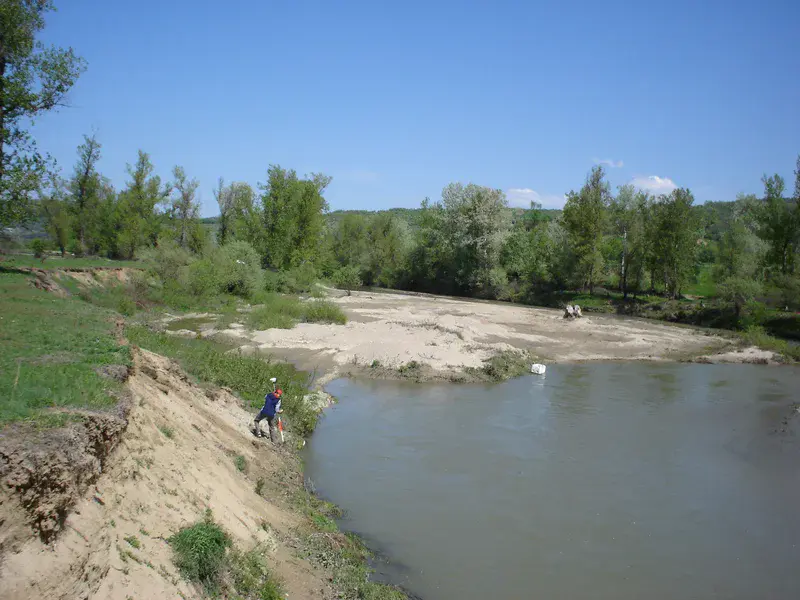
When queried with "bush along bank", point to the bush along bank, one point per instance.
{"points": [[203, 551]]}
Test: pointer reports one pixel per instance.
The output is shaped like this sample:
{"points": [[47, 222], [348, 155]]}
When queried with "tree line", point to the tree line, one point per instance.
{"points": [[467, 243], [633, 242]]}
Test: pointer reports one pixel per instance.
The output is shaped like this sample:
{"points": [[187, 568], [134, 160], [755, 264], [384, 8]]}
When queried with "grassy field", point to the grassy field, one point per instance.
{"points": [[56, 262], [49, 350]]}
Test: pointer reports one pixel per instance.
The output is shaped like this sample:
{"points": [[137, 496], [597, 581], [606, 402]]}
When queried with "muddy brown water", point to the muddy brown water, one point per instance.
{"points": [[617, 481]]}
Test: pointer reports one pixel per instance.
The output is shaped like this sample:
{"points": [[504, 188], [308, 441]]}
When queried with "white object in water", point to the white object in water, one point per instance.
{"points": [[538, 369]]}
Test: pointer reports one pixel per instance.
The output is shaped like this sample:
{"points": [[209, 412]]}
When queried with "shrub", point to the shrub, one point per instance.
{"points": [[200, 552], [204, 277], [38, 247], [323, 311], [347, 278], [240, 271], [274, 281], [167, 262], [275, 312], [302, 278]]}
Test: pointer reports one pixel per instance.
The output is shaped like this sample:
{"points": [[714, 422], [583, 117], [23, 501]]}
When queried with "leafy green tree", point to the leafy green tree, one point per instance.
{"points": [[56, 214], [34, 79], [224, 199], [526, 251], [674, 236], [387, 242], [473, 223], [429, 266], [239, 217], [137, 216], [779, 225], [347, 278], [584, 218], [88, 191], [184, 208], [739, 249], [293, 212], [738, 291], [626, 214], [349, 240]]}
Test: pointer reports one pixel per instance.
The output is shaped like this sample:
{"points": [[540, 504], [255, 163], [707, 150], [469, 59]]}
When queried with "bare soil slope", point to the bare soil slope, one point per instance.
{"points": [[175, 460]]}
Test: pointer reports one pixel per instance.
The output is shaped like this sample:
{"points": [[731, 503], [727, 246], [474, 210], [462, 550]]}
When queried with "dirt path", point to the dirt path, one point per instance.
{"points": [[175, 460], [449, 334]]}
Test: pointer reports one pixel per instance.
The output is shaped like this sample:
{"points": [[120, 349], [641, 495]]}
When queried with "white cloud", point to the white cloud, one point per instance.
{"points": [[654, 184], [613, 164], [522, 198]]}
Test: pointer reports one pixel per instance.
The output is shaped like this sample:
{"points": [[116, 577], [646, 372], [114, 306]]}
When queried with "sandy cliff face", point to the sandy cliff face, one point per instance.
{"points": [[66, 515]]}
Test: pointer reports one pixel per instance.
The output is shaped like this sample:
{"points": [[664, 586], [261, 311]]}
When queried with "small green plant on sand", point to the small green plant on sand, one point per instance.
{"points": [[204, 554], [200, 552], [240, 462], [133, 541], [168, 432]]}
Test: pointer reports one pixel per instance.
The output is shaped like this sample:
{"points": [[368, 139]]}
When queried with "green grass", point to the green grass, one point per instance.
{"points": [[133, 541], [276, 311], [705, 285], [247, 375], [168, 432], [200, 553], [205, 554], [757, 336], [251, 577], [323, 311], [56, 262], [240, 463], [49, 350], [506, 365]]}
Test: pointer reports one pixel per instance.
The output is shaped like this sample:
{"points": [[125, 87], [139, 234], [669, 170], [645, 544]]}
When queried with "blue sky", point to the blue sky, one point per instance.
{"points": [[395, 100]]}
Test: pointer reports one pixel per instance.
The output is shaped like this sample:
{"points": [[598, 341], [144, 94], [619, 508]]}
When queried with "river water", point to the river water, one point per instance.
{"points": [[617, 481]]}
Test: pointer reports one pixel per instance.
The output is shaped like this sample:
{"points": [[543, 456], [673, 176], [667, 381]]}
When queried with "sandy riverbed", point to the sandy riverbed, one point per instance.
{"points": [[449, 335]]}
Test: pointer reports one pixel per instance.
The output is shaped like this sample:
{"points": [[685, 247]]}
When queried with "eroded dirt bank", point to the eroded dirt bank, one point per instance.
{"points": [[175, 459], [448, 335]]}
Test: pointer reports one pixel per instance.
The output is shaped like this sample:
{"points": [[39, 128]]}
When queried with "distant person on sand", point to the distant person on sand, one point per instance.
{"points": [[272, 407]]}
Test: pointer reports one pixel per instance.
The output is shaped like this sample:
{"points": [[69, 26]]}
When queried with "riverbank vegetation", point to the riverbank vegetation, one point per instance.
{"points": [[729, 265]]}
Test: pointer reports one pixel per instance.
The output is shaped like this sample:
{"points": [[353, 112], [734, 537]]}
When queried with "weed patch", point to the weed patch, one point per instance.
{"points": [[200, 552], [323, 311], [240, 463], [205, 555], [506, 365], [251, 576]]}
